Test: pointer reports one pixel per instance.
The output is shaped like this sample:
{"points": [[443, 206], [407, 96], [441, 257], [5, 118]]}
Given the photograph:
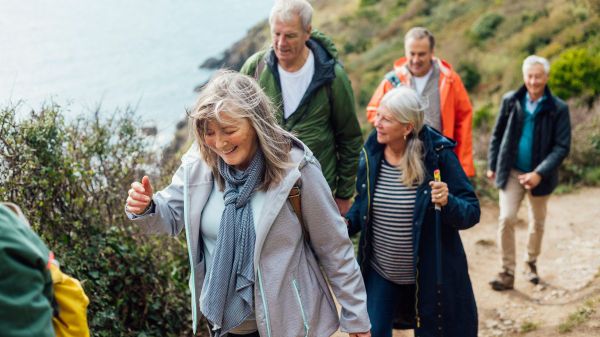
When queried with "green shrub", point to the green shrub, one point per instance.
{"points": [[361, 26], [528, 326], [580, 316], [483, 118], [576, 72], [364, 3], [582, 164], [485, 26], [536, 42], [356, 45], [71, 179], [469, 74], [529, 17], [368, 85]]}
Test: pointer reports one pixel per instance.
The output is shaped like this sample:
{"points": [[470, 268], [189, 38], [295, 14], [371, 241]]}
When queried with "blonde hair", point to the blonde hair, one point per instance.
{"points": [[405, 106], [239, 96]]}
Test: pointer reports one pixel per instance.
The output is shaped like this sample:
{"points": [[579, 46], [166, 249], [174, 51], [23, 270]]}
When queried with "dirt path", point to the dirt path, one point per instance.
{"points": [[569, 267]]}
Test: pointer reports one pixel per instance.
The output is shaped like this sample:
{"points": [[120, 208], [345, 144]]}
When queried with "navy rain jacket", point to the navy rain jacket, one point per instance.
{"points": [[454, 313]]}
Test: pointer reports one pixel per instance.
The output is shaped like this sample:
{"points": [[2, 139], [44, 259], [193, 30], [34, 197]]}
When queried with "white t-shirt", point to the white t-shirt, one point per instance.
{"points": [[294, 85], [420, 82]]}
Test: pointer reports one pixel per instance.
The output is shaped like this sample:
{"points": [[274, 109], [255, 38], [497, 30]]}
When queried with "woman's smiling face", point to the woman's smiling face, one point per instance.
{"points": [[232, 139]]}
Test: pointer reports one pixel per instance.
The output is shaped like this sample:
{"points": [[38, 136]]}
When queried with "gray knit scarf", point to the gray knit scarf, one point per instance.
{"points": [[229, 298]]}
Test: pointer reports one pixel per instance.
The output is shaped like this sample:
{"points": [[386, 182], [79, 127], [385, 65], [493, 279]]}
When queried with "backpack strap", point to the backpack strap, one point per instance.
{"points": [[295, 200], [393, 78]]}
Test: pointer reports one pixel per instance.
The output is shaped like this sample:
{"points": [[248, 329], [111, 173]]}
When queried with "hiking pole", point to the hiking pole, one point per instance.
{"points": [[438, 253]]}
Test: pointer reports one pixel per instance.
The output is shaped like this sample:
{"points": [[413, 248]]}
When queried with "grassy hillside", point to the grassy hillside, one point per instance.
{"points": [[486, 42]]}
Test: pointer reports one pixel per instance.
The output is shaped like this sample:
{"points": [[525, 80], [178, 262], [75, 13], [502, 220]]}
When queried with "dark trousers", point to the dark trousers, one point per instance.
{"points": [[388, 301], [253, 334]]}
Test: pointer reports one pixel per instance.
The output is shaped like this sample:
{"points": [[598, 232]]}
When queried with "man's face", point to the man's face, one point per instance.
{"points": [[419, 55], [289, 39], [535, 79]]}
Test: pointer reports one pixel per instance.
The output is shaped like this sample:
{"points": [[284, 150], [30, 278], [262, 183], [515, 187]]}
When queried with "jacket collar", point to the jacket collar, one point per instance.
{"points": [[277, 195], [324, 64], [433, 143], [401, 68], [547, 104], [432, 139]]}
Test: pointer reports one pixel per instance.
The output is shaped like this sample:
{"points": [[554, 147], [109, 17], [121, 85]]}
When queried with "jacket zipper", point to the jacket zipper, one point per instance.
{"points": [[364, 249], [264, 300], [417, 318], [186, 224], [304, 320]]}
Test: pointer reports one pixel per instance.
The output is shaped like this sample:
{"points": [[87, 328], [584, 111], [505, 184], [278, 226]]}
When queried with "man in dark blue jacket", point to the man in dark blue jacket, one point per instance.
{"points": [[531, 138]]}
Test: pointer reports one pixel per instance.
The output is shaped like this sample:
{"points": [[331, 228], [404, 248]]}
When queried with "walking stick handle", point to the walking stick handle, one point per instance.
{"points": [[437, 177]]}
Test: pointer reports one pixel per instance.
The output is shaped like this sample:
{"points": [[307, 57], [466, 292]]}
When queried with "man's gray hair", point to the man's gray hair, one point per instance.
{"points": [[418, 33], [285, 10], [532, 60]]}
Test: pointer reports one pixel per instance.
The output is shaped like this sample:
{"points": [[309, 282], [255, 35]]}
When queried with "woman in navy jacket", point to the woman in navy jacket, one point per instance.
{"points": [[440, 300]]}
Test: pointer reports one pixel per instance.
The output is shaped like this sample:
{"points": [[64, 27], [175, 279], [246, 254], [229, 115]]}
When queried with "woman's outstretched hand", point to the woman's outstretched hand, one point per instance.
{"points": [[140, 196]]}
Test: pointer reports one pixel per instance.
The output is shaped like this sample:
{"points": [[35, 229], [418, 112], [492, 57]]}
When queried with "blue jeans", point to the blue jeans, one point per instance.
{"points": [[386, 301]]}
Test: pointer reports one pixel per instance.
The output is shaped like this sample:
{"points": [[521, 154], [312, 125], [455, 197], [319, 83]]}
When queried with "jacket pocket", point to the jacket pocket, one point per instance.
{"points": [[302, 311]]}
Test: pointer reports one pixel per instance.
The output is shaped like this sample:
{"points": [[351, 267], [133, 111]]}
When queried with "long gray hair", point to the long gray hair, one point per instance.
{"points": [[405, 106], [239, 96]]}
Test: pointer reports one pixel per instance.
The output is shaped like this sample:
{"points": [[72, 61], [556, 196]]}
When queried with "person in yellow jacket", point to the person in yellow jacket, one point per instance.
{"points": [[449, 109], [36, 298], [25, 280]]}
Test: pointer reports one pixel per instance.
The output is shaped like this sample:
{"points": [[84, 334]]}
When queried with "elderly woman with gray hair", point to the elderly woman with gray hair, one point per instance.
{"points": [[414, 267], [254, 270]]}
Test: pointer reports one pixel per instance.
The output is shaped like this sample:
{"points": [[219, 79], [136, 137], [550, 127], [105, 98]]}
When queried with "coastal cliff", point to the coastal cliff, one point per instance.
{"points": [[234, 57]]}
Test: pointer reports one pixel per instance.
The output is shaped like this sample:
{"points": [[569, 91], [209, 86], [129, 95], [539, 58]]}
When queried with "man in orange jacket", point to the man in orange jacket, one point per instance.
{"points": [[449, 109]]}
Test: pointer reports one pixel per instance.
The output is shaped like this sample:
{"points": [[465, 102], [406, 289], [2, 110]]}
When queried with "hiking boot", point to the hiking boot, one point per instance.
{"points": [[531, 273], [503, 281]]}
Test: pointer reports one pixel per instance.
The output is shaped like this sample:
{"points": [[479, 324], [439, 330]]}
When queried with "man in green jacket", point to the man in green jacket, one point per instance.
{"points": [[313, 94], [25, 280]]}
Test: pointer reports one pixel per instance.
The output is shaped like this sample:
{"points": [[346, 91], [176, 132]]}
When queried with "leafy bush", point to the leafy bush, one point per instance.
{"points": [[370, 81], [483, 118], [364, 3], [71, 180], [356, 45], [536, 42], [576, 72], [528, 326], [485, 26], [361, 26], [582, 165], [469, 74]]}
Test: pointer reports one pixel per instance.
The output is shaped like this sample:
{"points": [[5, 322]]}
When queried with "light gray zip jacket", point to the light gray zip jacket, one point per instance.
{"points": [[291, 294]]}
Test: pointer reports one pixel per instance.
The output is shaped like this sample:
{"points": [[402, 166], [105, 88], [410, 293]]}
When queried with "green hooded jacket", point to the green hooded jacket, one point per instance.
{"points": [[25, 281], [325, 119]]}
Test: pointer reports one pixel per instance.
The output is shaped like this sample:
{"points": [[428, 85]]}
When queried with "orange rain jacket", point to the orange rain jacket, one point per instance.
{"points": [[456, 109]]}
